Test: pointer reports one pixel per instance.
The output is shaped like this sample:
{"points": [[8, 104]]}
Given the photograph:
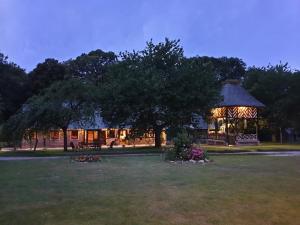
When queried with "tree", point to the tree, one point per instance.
{"points": [[226, 68], [1, 109], [92, 66], [291, 106], [58, 106], [14, 87], [157, 88], [270, 85], [45, 74]]}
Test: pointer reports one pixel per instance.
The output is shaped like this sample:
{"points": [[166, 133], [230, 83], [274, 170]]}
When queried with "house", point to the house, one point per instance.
{"points": [[234, 121], [90, 135]]}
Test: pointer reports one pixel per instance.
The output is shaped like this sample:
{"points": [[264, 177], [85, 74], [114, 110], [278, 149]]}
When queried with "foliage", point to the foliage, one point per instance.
{"points": [[182, 145], [205, 154], [225, 68], [291, 104], [2, 107], [45, 74], [278, 88], [14, 88], [92, 66], [157, 88], [170, 154], [63, 103]]}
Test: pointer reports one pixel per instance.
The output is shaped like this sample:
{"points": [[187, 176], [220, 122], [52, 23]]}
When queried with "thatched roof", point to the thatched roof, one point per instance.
{"points": [[235, 95]]}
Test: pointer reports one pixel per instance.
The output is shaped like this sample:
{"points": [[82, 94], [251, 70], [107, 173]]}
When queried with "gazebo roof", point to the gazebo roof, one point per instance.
{"points": [[235, 95]]}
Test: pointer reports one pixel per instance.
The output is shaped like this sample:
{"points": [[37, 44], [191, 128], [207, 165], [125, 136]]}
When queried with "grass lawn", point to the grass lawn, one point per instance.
{"points": [[60, 152], [210, 148], [261, 147], [146, 190]]}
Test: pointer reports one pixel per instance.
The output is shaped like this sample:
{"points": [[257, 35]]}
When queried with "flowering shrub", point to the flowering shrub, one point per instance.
{"points": [[182, 145], [184, 149], [87, 158]]}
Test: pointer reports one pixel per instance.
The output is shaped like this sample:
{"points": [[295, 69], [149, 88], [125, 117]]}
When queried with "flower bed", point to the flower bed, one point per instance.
{"points": [[86, 158], [185, 151]]}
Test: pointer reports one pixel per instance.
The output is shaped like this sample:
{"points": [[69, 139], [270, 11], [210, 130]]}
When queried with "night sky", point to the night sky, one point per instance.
{"points": [[258, 31]]}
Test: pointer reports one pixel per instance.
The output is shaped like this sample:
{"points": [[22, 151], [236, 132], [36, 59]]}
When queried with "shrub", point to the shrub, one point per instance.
{"points": [[170, 154], [205, 155], [182, 145]]}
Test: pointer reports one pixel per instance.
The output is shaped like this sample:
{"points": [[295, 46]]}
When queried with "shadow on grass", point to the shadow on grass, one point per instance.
{"points": [[60, 152]]}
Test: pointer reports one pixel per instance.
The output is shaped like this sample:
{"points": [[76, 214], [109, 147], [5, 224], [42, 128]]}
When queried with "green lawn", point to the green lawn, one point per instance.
{"points": [[211, 148], [261, 147], [60, 152], [146, 190]]}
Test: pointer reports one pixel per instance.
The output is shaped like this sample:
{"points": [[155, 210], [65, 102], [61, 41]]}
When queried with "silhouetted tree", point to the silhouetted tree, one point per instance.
{"points": [[91, 66], [45, 74], [157, 88], [14, 87]]}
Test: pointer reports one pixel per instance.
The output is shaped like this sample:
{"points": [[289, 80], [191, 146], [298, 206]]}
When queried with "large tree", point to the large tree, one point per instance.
{"points": [[45, 74], [270, 85], [225, 67], [157, 88], [58, 106], [92, 66], [1, 109], [14, 87], [291, 106]]}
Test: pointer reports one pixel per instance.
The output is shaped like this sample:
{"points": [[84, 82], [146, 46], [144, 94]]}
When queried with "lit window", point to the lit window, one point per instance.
{"points": [[74, 134], [54, 135]]}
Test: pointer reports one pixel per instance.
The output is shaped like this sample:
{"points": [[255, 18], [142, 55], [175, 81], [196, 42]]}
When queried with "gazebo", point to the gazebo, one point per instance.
{"points": [[235, 118]]}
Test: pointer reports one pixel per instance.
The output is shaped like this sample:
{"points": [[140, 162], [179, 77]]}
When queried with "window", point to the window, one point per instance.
{"points": [[149, 134], [111, 134], [54, 135], [74, 134], [92, 136]]}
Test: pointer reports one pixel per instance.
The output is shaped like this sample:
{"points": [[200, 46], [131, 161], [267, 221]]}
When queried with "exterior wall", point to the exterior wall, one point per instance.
{"points": [[46, 140], [104, 137]]}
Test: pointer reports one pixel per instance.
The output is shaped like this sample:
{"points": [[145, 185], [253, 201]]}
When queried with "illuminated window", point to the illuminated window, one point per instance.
{"points": [[149, 134], [74, 134], [54, 135]]}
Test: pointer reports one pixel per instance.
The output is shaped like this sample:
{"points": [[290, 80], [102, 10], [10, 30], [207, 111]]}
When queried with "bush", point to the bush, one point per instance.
{"points": [[205, 155], [182, 145], [170, 154]]}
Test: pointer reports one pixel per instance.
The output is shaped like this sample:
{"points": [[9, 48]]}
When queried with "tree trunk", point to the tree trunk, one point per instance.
{"points": [[65, 139], [157, 133], [36, 141]]}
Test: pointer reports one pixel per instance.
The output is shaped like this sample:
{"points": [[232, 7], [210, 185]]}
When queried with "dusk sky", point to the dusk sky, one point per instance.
{"points": [[258, 31]]}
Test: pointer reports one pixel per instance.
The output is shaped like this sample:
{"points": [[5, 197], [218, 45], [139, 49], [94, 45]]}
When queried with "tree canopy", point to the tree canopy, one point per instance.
{"points": [[45, 74], [157, 88], [14, 87], [91, 66], [278, 88], [63, 103], [225, 68]]}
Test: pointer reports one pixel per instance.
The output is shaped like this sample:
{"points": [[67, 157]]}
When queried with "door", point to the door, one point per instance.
{"points": [[102, 136], [90, 136]]}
